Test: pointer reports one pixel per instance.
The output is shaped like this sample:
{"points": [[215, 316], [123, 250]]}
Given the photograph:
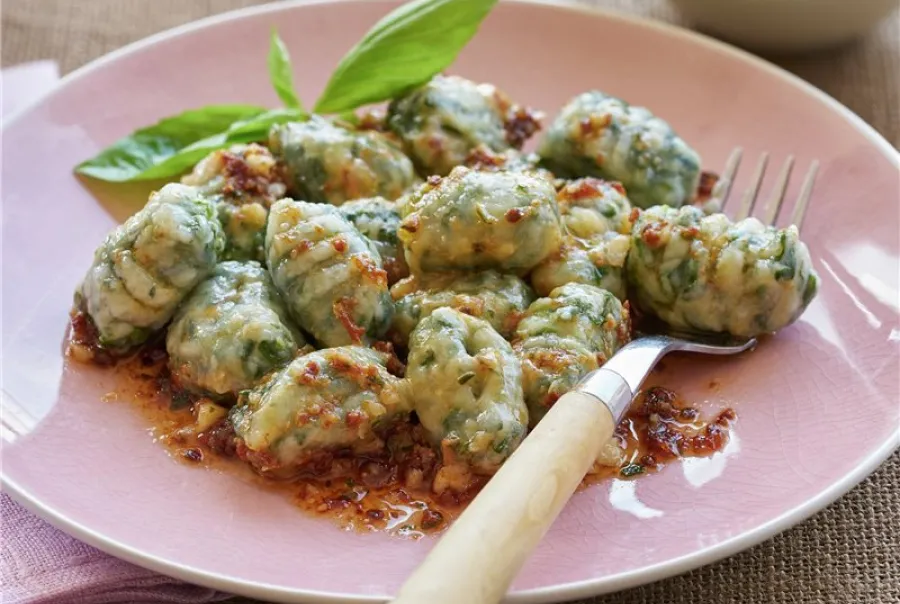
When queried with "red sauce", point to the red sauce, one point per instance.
{"points": [[373, 119], [706, 186], [483, 157], [242, 181], [650, 235], [581, 189], [411, 223], [368, 268], [521, 123], [618, 187], [660, 427], [83, 344], [514, 214], [343, 310], [339, 244], [390, 491]]}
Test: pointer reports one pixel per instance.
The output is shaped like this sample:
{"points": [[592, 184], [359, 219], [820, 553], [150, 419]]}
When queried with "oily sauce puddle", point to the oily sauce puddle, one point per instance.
{"points": [[391, 493]]}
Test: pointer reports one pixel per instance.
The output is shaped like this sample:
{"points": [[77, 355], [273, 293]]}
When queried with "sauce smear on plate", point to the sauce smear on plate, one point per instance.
{"points": [[390, 492]]}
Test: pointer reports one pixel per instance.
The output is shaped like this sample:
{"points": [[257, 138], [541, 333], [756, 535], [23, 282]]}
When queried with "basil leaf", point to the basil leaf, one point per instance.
{"points": [[402, 51], [146, 149], [145, 157], [349, 117], [281, 73], [261, 123], [181, 160]]}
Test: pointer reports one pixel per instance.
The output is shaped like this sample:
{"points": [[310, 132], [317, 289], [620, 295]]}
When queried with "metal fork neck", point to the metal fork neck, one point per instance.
{"points": [[635, 361]]}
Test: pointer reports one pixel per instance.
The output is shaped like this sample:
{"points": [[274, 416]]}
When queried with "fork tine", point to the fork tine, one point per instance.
{"points": [[773, 206], [723, 188], [805, 194], [749, 199]]}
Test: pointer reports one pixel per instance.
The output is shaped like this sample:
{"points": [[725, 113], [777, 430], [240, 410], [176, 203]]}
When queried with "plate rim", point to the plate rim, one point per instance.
{"points": [[565, 591]]}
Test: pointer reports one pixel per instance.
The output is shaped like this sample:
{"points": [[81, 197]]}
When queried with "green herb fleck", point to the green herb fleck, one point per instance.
{"points": [[465, 377], [632, 469], [274, 351], [809, 292]]}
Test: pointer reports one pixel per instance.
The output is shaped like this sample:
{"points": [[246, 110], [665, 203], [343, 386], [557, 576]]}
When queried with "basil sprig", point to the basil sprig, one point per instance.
{"points": [[281, 73], [402, 51], [166, 148], [174, 144]]}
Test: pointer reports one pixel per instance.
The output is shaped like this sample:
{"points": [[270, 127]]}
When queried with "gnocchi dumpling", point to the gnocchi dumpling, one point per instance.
{"points": [[328, 273], [476, 220], [600, 263], [243, 181], [329, 400], [500, 299], [590, 207], [378, 219], [563, 337], [598, 219], [441, 122], [466, 385], [706, 273], [327, 162], [230, 332], [146, 266], [599, 135]]}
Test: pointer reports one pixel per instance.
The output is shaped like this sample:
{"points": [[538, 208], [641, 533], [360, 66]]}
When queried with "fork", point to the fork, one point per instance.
{"points": [[481, 553]]}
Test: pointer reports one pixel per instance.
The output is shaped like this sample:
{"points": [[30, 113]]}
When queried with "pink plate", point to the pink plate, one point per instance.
{"points": [[817, 404]]}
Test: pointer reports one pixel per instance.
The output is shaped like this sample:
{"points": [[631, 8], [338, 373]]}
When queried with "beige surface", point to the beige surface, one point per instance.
{"points": [[849, 553]]}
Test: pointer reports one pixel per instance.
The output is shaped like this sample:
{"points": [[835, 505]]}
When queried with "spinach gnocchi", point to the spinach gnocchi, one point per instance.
{"points": [[598, 219], [146, 266], [325, 401], [327, 162], [706, 273], [243, 181], [599, 135], [511, 160], [497, 298], [230, 332], [441, 122], [564, 336], [378, 219], [329, 273], [599, 262], [592, 207], [466, 384], [407, 294], [475, 220]]}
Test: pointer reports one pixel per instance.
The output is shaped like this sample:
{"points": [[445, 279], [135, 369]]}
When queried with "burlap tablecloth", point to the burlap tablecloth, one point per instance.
{"points": [[847, 554]]}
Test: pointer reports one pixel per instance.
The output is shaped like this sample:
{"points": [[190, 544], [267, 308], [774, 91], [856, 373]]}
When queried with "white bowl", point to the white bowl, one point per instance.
{"points": [[786, 25]]}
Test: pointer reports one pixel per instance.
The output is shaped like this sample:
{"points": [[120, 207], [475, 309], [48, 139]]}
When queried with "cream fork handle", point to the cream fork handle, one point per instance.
{"points": [[481, 553]]}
